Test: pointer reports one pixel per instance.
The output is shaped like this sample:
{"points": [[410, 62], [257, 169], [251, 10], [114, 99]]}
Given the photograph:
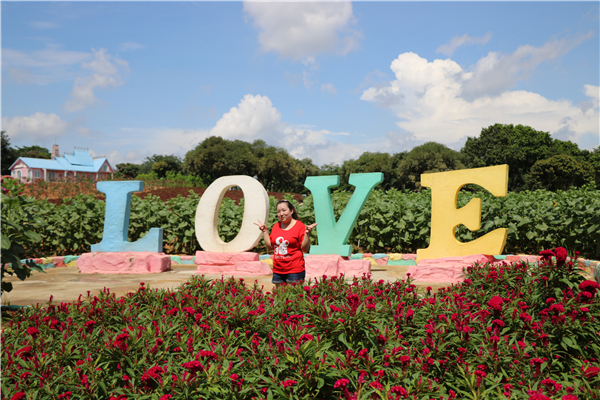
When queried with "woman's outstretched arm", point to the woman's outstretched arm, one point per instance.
{"points": [[306, 240], [266, 236]]}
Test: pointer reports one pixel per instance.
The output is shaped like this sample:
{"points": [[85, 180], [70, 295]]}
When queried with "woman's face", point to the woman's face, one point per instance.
{"points": [[284, 214]]}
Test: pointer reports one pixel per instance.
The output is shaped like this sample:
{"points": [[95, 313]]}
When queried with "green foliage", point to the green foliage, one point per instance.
{"points": [[275, 169], [127, 170], [165, 163], [594, 160], [34, 152], [9, 155], [427, 158], [520, 147], [19, 233], [392, 221], [373, 162], [560, 172]]}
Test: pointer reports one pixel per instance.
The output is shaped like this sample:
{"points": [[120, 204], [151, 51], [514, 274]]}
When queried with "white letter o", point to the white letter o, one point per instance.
{"points": [[256, 206]]}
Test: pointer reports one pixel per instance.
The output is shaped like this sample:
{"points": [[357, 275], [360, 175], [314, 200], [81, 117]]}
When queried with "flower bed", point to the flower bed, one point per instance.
{"points": [[516, 331]]}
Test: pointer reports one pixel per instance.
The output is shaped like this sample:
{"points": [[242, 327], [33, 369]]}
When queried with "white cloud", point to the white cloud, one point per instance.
{"points": [[255, 117], [42, 66], [47, 58], [38, 126], [428, 98], [105, 73], [43, 25], [131, 46], [328, 87], [304, 29], [155, 141], [496, 72], [458, 41]]}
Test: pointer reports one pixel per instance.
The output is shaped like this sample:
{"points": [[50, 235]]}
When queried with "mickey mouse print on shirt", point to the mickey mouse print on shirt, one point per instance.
{"points": [[281, 246]]}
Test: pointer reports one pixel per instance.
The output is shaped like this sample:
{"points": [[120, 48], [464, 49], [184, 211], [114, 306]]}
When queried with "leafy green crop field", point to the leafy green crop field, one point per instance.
{"points": [[390, 221]]}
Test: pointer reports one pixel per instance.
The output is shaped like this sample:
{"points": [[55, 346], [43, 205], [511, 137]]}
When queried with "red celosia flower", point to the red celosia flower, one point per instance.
{"points": [[65, 395], [570, 397], [234, 377], [165, 397], [589, 286], [306, 337], [590, 372], [561, 255], [376, 385], [89, 326], [193, 366], [399, 390], [547, 254], [496, 303], [18, 396], [341, 383], [23, 352], [289, 383], [539, 396], [33, 331]]}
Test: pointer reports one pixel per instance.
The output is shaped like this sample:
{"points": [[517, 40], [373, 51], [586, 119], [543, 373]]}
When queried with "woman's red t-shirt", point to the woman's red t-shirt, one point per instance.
{"points": [[287, 248]]}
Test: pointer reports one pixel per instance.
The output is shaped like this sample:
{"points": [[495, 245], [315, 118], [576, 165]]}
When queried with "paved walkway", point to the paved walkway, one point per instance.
{"points": [[67, 283]]}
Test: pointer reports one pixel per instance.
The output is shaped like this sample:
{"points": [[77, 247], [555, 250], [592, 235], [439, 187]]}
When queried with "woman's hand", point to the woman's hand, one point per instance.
{"points": [[309, 228], [306, 241], [261, 226]]}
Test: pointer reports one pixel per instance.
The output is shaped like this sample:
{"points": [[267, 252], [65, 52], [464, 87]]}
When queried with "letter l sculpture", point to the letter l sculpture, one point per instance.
{"points": [[116, 220]]}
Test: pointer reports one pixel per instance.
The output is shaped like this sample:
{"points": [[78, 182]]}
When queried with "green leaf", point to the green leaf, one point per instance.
{"points": [[5, 242]]}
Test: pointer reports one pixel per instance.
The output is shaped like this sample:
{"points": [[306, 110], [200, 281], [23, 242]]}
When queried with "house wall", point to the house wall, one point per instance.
{"points": [[58, 174]]}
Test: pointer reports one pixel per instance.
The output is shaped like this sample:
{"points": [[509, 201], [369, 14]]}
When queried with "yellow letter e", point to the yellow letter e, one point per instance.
{"points": [[445, 217]]}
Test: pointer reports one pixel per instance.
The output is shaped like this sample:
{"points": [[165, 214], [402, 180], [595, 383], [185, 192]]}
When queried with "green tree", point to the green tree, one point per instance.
{"points": [[374, 162], [277, 170], [427, 158], [173, 163], [594, 160], [34, 152], [518, 146], [330, 169], [216, 157], [560, 172], [9, 155], [127, 170]]}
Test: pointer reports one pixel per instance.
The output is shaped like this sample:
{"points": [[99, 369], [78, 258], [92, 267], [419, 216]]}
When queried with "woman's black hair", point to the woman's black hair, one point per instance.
{"points": [[291, 207]]}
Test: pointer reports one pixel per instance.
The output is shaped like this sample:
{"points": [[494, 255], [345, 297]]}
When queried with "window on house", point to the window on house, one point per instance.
{"points": [[29, 174], [37, 173], [19, 175], [104, 168]]}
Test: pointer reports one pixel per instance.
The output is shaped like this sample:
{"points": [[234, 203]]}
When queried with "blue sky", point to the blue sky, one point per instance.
{"points": [[327, 81]]}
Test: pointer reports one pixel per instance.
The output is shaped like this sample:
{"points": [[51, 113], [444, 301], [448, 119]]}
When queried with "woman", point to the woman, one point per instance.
{"points": [[290, 239]]}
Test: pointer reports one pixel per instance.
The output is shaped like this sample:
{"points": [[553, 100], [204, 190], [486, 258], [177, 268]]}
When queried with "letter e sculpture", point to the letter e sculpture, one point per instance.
{"points": [[445, 217]]}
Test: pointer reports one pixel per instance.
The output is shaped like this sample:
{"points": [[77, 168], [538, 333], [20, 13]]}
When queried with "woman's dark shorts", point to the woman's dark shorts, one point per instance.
{"points": [[288, 278]]}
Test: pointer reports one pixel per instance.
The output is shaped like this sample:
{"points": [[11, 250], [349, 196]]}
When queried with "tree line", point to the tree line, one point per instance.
{"points": [[535, 160]]}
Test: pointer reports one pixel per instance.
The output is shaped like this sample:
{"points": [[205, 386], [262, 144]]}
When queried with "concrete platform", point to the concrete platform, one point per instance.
{"points": [[67, 283]]}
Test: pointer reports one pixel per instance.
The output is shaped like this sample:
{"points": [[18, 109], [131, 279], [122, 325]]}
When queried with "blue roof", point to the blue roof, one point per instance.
{"points": [[80, 161]]}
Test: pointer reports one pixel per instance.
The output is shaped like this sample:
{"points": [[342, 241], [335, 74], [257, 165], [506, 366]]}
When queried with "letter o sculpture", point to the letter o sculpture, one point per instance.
{"points": [[256, 206]]}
